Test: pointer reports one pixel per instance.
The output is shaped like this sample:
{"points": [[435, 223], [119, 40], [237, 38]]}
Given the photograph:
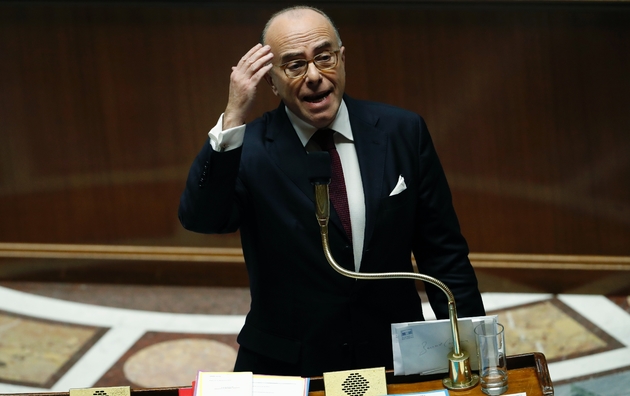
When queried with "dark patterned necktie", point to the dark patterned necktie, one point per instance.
{"points": [[338, 195]]}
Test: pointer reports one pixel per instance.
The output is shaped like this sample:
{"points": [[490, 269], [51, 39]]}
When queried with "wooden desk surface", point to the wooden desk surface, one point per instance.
{"points": [[526, 373]]}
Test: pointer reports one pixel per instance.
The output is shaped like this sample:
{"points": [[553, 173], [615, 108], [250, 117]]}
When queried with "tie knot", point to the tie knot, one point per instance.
{"points": [[324, 137]]}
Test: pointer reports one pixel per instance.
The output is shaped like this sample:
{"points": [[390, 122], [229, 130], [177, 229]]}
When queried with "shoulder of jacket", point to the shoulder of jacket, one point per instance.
{"points": [[379, 108]]}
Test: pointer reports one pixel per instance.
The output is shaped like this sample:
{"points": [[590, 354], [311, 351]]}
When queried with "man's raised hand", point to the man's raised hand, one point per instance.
{"points": [[243, 83]]}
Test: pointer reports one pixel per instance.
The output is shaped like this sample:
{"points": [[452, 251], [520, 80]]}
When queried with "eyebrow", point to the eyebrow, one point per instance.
{"points": [[290, 55]]}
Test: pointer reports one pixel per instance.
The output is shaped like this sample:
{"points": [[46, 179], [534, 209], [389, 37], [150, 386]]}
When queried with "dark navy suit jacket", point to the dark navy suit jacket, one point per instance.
{"points": [[302, 311]]}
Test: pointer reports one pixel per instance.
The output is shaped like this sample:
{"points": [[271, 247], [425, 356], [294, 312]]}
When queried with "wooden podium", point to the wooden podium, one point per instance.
{"points": [[526, 373]]}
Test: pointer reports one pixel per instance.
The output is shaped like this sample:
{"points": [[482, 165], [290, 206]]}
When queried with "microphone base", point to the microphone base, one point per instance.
{"points": [[449, 384], [460, 375]]}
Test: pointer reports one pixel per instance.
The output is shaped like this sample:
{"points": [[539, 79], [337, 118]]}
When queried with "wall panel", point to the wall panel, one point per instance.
{"points": [[103, 107]]}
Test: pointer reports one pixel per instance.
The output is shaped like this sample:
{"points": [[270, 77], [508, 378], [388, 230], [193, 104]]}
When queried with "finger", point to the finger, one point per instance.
{"points": [[249, 61], [256, 77], [250, 52], [246, 74], [260, 62]]}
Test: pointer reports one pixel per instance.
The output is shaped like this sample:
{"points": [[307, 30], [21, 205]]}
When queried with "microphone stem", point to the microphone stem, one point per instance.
{"points": [[452, 310], [459, 368]]}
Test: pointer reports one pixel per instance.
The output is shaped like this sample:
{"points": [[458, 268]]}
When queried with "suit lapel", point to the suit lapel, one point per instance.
{"points": [[371, 146], [287, 151]]}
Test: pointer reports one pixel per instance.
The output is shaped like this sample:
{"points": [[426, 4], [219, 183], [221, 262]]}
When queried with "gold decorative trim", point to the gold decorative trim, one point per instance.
{"points": [[235, 255], [550, 261], [120, 252]]}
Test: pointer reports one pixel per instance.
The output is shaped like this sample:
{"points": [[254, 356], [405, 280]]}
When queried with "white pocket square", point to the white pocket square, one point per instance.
{"points": [[400, 186]]}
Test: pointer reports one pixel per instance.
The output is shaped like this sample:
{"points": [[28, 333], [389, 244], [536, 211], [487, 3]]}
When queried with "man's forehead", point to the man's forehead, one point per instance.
{"points": [[289, 52]]}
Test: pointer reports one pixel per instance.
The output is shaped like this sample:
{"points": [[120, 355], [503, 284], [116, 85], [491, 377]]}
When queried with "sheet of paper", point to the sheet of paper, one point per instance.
{"points": [[280, 385], [398, 364], [441, 392], [224, 384], [422, 347]]}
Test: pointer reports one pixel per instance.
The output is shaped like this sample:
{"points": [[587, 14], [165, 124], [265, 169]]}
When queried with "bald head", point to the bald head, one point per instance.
{"points": [[302, 34], [296, 13]]}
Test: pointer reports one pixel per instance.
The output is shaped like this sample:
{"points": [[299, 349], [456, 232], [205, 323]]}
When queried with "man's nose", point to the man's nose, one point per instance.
{"points": [[312, 73]]}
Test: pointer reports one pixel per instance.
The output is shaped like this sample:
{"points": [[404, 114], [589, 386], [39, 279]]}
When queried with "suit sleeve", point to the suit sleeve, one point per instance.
{"points": [[439, 246], [208, 203]]}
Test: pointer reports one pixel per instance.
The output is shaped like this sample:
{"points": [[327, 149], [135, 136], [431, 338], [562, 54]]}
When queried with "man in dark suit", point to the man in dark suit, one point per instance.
{"points": [[305, 318]]}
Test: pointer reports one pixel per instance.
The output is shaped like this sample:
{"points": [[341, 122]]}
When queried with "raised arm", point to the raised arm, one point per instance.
{"points": [[208, 203]]}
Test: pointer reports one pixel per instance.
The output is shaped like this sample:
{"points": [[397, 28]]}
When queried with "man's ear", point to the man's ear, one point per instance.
{"points": [[269, 80]]}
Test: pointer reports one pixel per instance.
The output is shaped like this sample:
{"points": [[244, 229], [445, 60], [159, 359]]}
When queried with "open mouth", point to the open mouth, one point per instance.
{"points": [[316, 98]]}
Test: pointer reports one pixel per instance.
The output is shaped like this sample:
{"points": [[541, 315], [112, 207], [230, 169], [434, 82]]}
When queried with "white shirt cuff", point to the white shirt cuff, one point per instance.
{"points": [[227, 140]]}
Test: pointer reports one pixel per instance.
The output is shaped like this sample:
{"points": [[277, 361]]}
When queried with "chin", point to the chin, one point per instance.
{"points": [[322, 120]]}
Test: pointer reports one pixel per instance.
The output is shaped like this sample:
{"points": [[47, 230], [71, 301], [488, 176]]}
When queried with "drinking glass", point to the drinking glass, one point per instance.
{"points": [[492, 364]]}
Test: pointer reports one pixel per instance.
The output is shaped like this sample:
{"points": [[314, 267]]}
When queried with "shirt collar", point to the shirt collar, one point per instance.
{"points": [[305, 131]]}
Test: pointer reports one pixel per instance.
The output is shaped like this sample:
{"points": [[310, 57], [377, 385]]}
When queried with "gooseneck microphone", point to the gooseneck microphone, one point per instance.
{"points": [[318, 167], [319, 170]]}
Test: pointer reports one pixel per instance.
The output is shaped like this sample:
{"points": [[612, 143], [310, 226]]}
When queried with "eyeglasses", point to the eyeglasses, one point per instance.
{"points": [[323, 61]]}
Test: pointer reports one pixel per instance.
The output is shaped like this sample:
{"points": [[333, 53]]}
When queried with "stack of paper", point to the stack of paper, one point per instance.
{"points": [[248, 384], [423, 347]]}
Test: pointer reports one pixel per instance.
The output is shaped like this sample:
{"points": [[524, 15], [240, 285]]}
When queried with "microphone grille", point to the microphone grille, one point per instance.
{"points": [[318, 164]]}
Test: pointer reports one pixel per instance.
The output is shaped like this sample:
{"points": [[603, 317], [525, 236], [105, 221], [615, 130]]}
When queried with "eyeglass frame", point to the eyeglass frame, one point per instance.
{"points": [[283, 66]]}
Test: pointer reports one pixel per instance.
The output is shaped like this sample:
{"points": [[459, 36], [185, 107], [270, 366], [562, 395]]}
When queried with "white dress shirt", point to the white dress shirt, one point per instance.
{"points": [[232, 138]]}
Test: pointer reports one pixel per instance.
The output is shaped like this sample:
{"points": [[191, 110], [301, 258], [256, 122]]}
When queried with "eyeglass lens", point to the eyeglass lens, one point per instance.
{"points": [[325, 60]]}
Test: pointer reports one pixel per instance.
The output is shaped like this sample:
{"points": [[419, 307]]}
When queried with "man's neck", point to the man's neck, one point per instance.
{"points": [[304, 130]]}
